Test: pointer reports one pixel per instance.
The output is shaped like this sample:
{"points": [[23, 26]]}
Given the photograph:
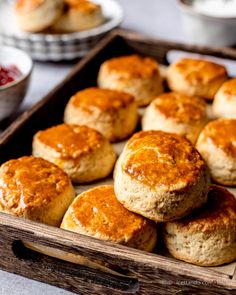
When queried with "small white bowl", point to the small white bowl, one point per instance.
{"points": [[206, 29], [12, 94]]}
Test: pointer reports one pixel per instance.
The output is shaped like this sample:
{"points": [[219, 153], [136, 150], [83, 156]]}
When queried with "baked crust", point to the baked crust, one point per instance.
{"points": [[196, 77], [181, 108], [160, 176], [132, 66], [158, 158], [82, 152], [219, 212], [200, 71], [104, 100], [176, 113], [23, 6], [71, 141], [222, 134], [229, 87], [134, 74], [97, 213], [208, 236], [216, 144], [34, 188], [113, 113], [79, 15], [224, 104], [37, 15]]}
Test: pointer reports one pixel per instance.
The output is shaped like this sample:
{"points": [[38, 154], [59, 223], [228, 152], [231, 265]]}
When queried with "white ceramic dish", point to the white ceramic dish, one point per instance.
{"points": [[205, 29], [12, 94], [57, 47]]}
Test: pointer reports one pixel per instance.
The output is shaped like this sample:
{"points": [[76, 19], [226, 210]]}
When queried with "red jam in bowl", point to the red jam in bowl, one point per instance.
{"points": [[9, 74]]}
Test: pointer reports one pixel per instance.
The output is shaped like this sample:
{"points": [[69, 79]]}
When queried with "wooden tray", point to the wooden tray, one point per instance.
{"points": [[136, 272]]}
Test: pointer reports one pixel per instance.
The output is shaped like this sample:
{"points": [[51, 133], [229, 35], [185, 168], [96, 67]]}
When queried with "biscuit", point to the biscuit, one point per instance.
{"points": [[224, 104], [37, 15], [139, 76], [82, 152], [79, 15], [113, 113], [35, 189], [176, 113], [217, 145], [160, 176], [208, 236], [196, 77], [97, 213]]}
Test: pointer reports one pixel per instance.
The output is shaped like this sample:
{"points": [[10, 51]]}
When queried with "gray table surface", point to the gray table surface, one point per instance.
{"points": [[156, 18]]}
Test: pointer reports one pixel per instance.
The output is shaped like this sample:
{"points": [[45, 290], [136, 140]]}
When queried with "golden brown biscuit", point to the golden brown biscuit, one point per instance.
{"points": [[113, 113], [217, 145], [37, 15], [97, 213], [160, 176], [79, 15], [208, 236], [82, 152], [139, 76], [196, 77], [176, 113], [224, 104], [35, 189]]}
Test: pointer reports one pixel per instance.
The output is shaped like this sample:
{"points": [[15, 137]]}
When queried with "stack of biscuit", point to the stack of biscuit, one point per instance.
{"points": [[59, 16], [160, 175]]}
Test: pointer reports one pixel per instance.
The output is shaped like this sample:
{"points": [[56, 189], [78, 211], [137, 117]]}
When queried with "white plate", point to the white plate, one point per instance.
{"points": [[57, 46]]}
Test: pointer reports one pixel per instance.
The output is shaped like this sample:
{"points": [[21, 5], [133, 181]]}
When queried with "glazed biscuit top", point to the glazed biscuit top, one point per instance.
{"points": [[71, 141], [83, 5], [158, 158], [222, 134], [27, 5], [98, 211], [229, 88], [105, 100], [219, 212], [132, 66], [30, 183], [180, 107], [199, 72]]}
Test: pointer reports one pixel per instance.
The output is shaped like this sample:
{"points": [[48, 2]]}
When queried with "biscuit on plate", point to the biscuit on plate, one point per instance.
{"points": [[208, 236], [176, 113], [137, 75], [196, 77], [35, 189], [160, 176], [217, 145], [224, 104], [37, 15], [97, 213], [113, 113], [79, 15], [82, 152]]}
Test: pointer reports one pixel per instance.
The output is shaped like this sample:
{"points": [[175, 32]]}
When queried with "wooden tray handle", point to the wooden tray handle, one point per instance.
{"points": [[147, 273], [74, 267]]}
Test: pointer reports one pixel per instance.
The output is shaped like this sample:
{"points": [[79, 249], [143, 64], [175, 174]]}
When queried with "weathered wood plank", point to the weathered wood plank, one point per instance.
{"points": [[151, 271]]}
